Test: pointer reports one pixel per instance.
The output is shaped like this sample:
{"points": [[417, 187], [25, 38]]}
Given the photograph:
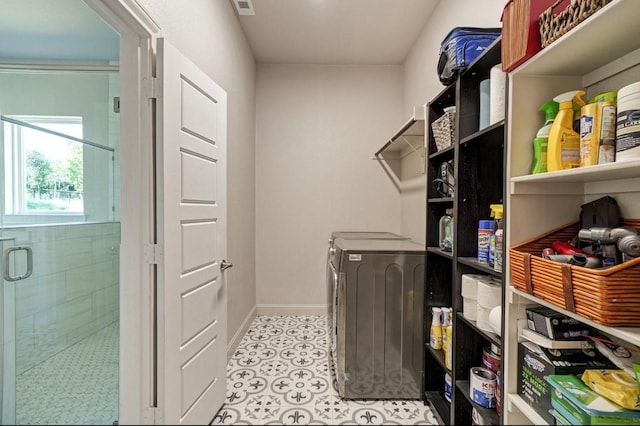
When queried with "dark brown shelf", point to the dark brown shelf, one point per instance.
{"points": [[441, 407], [490, 133], [440, 252], [489, 415], [492, 337], [439, 357], [440, 200], [442, 153], [483, 267], [476, 188]]}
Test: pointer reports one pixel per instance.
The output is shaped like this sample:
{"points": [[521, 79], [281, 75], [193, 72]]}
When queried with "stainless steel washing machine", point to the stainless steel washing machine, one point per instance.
{"points": [[377, 333], [332, 267]]}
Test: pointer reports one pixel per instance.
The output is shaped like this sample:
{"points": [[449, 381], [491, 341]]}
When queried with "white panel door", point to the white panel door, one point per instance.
{"points": [[191, 205]]}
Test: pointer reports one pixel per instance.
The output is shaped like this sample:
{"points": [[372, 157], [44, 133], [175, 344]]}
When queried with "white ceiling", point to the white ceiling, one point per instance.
{"points": [[281, 31], [334, 31], [57, 30]]}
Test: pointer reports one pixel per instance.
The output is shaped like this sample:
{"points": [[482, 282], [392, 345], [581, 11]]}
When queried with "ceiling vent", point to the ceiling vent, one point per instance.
{"points": [[244, 7]]}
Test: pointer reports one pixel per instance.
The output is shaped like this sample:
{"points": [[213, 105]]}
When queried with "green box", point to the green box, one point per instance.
{"points": [[560, 420], [579, 405], [536, 363]]}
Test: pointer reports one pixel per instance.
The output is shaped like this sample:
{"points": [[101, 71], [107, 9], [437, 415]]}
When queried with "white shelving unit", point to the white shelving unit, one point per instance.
{"points": [[600, 54]]}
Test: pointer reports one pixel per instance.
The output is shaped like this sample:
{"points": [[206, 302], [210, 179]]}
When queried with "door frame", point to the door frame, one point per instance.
{"points": [[137, 372]]}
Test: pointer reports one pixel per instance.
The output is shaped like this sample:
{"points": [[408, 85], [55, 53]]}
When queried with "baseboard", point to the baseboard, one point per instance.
{"points": [[292, 309], [242, 330]]}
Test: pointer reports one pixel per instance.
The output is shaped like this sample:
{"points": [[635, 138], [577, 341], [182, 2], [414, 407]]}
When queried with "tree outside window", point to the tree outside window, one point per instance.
{"points": [[44, 171]]}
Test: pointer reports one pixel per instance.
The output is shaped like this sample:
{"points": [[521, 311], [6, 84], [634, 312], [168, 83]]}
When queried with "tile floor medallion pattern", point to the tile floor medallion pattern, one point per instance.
{"points": [[79, 385], [280, 374]]}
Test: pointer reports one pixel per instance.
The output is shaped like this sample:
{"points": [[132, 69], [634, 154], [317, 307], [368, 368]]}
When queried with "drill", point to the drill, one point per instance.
{"points": [[625, 240]]}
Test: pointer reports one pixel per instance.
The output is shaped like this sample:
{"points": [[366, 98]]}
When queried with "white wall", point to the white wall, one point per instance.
{"points": [[209, 34], [420, 75], [300, 152], [318, 127], [421, 82]]}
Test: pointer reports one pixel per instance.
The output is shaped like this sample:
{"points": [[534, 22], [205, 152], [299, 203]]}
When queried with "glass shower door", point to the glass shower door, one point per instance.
{"points": [[7, 330], [60, 292]]}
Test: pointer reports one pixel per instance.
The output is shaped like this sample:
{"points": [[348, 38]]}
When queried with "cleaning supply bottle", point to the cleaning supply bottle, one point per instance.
{"points": [[446, 344], [448, 331], [497, 210], [445, 235], [550, 109], [435, 339], [563, 150], [496, 214], [485, 229]]}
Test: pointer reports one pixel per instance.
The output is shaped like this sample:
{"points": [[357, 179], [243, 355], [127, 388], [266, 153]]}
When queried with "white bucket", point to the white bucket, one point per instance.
{"points": [[628, 123], [482, 387]]}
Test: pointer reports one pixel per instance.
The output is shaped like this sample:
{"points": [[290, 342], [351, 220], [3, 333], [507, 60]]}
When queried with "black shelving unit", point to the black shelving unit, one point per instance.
{"points": [[478, 163]]}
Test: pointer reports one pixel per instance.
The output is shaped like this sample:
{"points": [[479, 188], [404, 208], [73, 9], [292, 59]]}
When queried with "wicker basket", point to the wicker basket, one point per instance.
{"points": [[608, 296], [554, 26], [444, 128]]}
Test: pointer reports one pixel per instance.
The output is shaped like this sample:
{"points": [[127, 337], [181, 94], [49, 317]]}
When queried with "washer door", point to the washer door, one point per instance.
{"points": [[332, 289]]}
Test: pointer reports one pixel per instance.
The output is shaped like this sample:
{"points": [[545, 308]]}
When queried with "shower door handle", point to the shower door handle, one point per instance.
{"points": [[7, 263]]}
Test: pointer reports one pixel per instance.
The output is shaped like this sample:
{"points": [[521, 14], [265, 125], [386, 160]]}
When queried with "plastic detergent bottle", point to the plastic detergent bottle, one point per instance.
{"points": [[540, 142], [446, 231], [598, 130], [497, 211], [446, 344], [435, 338], [563, 150], [448, 330]]}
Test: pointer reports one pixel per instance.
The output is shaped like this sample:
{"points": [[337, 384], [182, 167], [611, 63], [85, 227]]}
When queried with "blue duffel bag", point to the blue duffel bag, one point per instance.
{"points": [[460, 47]]}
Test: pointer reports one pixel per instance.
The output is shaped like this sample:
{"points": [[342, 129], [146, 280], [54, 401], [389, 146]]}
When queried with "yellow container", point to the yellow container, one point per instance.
{"points": [[563, 150], [598, 133]]}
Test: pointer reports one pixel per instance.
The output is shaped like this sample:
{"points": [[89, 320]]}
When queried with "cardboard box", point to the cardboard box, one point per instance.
{"points": [[554, 325], [535, 364], [579, 405]]}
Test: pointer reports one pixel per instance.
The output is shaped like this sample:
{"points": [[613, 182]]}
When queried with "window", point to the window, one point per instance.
{"points": [[43, 169]]}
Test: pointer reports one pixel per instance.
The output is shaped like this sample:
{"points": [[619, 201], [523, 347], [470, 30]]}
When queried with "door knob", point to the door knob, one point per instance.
{"points": [[224, 265]]}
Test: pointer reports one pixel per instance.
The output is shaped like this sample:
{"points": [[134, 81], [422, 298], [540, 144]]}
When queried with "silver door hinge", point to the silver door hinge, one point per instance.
{"points": [[152, 88], [153, 254]]}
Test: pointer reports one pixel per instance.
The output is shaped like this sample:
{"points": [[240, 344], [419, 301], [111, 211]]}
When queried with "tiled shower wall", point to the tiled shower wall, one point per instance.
{"points": [[73, 291]]}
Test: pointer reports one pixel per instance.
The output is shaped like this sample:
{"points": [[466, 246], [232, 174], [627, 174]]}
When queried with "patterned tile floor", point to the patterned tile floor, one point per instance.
{"points": [[280, 374], [76, 386]]}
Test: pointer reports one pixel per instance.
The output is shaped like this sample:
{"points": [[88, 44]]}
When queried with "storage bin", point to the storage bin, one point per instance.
{"points": [[553, 26], [608, 296], [521, 31], [579, 405], [444, 128]]}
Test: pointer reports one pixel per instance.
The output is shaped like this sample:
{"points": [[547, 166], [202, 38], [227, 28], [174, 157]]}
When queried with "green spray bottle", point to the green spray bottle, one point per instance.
{"points": [[550, 109], [563, 149]]}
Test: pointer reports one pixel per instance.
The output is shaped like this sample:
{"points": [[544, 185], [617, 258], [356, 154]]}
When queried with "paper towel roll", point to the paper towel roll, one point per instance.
{"points": [[485, 102], [495, 319], [469, 308], [482, 318], [470, 285], [496, 94], [489, 293]]}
